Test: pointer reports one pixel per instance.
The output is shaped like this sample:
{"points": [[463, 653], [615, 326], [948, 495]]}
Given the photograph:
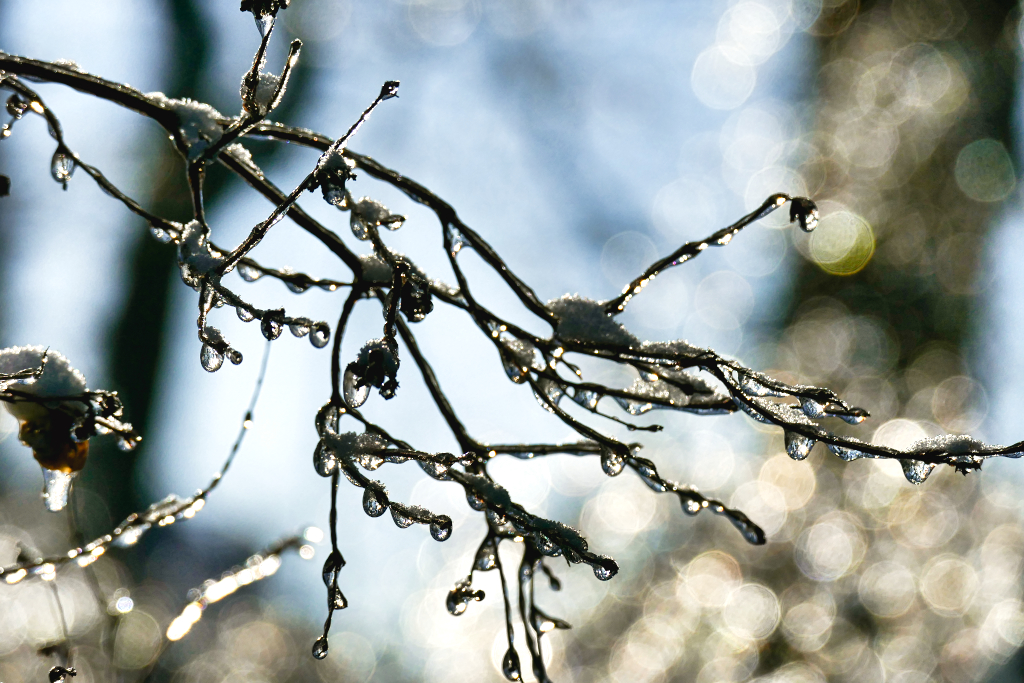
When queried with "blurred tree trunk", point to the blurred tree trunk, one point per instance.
{"points": [[137, 334], [904, 88]]}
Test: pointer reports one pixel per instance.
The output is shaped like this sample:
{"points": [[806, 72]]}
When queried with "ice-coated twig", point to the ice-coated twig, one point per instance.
{"points": [[256, 568], [801, 209]]}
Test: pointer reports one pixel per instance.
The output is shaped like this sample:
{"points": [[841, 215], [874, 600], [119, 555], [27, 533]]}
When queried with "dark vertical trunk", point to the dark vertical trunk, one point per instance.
{"points": [[903, 90]]}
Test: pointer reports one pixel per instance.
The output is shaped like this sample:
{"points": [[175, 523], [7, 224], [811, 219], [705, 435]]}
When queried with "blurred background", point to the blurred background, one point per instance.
{"points": [[582, 139]]}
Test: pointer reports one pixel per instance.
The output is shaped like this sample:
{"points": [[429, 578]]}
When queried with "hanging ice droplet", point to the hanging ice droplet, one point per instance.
{"points": [[337, 599], [324, 460], [271, 328], [916, 471], [486, 557], [16, 106], [320, 334], [375, 502], [265, 23], [62, 166], [611, 462], [811, 408], [56, 487], [844, 453], [320, 647], [587, 398], [606, 571], [456, 239], [300, 327], [234, 355], [332, 565], [211, 358], [244, 315], [441, 528], [355, 395], [798, 446], [691, 506], [460, 596], [159, 234], [401, 520], [510, 665], [248, 272]]}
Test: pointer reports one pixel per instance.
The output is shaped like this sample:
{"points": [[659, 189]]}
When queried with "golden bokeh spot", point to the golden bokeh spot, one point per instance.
{"points": [[842, 244]]}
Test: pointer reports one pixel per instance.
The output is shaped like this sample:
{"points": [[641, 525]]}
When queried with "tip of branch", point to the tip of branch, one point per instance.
{"points": [[804, 210], [389, 90]]}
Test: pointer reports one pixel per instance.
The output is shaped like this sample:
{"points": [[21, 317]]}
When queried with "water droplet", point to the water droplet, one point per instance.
{"points": [[375, 502], [128, 443], [296, 287], [324, 460], [606, 570], [332, 565], [265, 23], [798, 446], [248, 272], [320, 647], [271, 327], [441, 528], [300, 327], [360, 228], [514, 370], [510, 665], [691, 506], [611, 462], [844, 453], [546, 546], [436, 470], [16, 106], [56, 487], [326, 419], [336, 599], [496, 518], [460, 596], [916, 471], [62, 166], [456, 238], [633, 406], [812, 408], [355, 395], [159, 234], [805, 211], [244, 315], [234, 355], [402, 521], [587, 398], [210, 358], [320, 334], [486, 556], [475, 501]]}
